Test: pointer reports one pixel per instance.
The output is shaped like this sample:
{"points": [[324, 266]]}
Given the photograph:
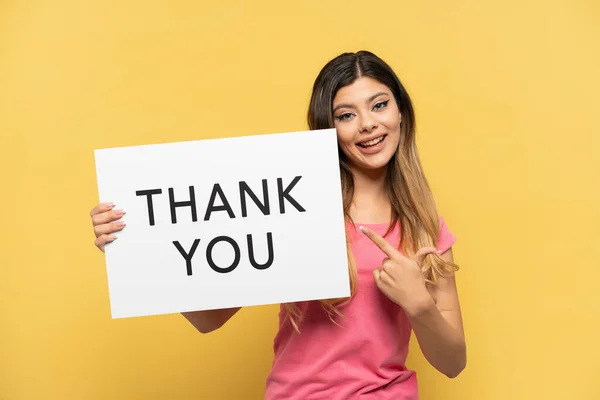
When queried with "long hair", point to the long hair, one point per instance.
{"points": [[412, 202]]}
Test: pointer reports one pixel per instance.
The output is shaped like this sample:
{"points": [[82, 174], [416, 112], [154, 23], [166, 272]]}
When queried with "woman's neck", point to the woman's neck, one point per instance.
{"points": [[370, 203]]}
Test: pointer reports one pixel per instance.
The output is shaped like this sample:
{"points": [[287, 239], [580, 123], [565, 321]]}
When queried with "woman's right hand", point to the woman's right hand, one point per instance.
{"points": [[106, 221]]}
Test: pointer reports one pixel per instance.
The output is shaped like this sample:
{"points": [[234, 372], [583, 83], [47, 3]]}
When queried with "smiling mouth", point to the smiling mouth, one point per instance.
{"points": [[372, 142]]}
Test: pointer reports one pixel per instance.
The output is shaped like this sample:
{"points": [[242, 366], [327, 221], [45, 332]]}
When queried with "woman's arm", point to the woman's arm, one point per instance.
{"points": [[210, 320], [439, 329]]}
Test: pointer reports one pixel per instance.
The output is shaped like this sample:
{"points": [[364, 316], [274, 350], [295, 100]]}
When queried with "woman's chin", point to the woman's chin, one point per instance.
{"points": [[369, 162], [374, 163]]}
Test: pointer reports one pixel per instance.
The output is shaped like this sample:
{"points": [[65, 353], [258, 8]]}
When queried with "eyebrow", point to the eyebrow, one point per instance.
{"points": [[370, 99]]}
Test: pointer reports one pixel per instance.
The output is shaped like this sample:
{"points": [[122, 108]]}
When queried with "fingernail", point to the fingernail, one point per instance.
{"points": [[110, 205], [362, 228], [439, 252], [113, 237], [120, 212], [121, 224]]}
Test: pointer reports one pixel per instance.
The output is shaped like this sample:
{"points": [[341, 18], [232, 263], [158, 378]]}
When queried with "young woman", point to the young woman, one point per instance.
{"points": [[400, 252]]}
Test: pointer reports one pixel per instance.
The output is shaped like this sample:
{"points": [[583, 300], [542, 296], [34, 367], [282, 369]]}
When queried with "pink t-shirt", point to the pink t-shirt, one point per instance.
{"points": [[364, 359]]}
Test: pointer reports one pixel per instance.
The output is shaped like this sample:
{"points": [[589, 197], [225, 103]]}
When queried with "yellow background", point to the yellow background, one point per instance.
{"points": [[505, 92]]}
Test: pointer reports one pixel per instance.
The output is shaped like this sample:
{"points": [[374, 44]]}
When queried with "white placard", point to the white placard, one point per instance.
{"points": [[266, 225]]}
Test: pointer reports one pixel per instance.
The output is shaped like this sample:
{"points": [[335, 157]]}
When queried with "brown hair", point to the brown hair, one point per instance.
{"points": [[412, 202]]}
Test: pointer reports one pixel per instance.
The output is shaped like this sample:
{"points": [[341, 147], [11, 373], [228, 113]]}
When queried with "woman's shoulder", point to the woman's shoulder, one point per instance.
{"points": [[446, 238]]}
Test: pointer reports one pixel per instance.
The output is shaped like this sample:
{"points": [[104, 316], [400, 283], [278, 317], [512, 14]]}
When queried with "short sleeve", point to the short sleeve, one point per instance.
{"points": [[445, 238]]}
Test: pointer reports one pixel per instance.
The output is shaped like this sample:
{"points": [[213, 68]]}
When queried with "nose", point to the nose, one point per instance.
{"points": [[367, 124]]}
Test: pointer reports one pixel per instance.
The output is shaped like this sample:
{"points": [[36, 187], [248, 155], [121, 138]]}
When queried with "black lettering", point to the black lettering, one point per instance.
{"points": [[190, 203], [187, 256], [286, 194], [210, 260], [148, 194], [211, 203], [264, 206], [269, 261]]}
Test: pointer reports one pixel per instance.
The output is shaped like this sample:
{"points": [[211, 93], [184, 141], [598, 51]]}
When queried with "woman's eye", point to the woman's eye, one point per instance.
{"points": [[343, 117], [381, 105]]}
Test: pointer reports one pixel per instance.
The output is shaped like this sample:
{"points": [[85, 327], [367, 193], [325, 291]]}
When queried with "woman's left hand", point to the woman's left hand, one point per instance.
{"points": [[400, 277]]}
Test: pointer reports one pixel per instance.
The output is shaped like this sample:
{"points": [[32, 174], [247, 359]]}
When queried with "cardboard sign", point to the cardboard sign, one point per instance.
{"points": [[222, 223]]}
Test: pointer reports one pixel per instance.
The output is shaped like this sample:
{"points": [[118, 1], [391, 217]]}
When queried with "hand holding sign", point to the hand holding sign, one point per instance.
{"points": [[204, 233], [400, 277], [106, 222]]}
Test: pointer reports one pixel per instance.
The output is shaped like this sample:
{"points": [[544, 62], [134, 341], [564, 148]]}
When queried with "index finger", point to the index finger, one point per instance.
{"points": [[100, 208], [381, 243]]}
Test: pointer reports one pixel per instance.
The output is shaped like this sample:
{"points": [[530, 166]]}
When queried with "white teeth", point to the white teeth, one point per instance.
{"points": [[372, 142]]}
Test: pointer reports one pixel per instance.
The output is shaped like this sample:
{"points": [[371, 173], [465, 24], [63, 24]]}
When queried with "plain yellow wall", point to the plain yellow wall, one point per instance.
{"points": [[505, 92]]}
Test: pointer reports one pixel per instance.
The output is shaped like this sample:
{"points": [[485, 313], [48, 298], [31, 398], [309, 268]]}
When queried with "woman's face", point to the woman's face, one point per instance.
{"points": [[367, 120]]}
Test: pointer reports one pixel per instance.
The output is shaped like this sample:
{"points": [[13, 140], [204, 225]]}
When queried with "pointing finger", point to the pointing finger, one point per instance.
{"points": [[387, 248]]}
